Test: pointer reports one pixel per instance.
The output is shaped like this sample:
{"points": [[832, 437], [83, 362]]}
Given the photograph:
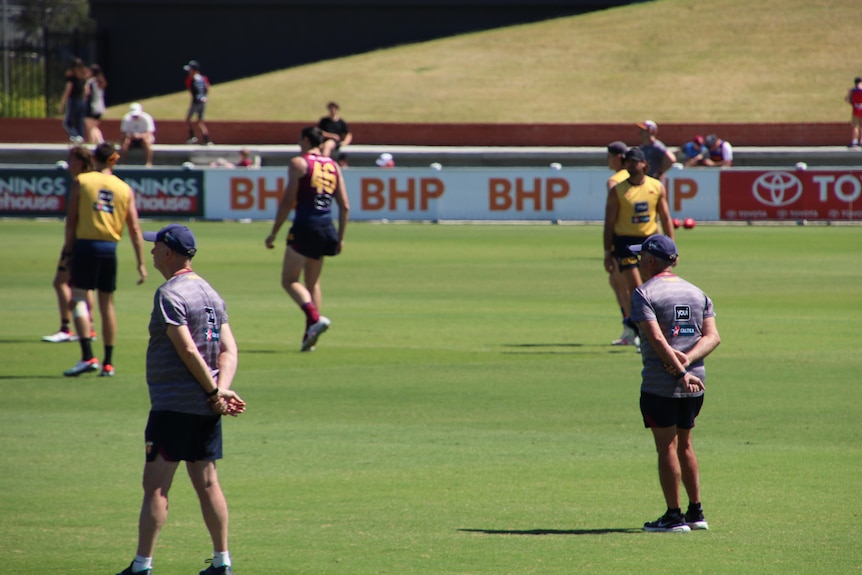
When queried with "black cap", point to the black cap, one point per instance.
{"points": [[617, 148], [635, 154]]}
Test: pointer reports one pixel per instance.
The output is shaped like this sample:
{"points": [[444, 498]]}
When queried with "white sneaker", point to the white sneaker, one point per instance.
{"points": [[628, 337], [314, 332], [83, 367], [60, 337]]}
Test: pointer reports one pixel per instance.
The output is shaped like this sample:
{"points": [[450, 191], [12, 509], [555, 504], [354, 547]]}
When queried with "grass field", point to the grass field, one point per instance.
{"points": [[464, 415], [670, 60]]}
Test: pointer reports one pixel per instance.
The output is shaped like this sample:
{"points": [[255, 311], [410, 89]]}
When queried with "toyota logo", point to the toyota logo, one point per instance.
{"points": [[777, 189]]}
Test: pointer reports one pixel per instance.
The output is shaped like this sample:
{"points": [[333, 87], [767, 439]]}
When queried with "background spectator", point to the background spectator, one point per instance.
{"points": [[694, 151], [95, 104], [854, 98], [720, 152], [73, 101], [336, 133], [139, 131], [385, 160], [658, 157], [199, 86]]}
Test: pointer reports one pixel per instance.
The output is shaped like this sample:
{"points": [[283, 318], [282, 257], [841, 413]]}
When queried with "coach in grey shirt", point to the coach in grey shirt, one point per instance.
{"points": [[677, 327], [191, 362]]}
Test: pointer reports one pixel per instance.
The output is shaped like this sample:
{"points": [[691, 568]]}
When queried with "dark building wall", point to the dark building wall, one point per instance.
{"points": [[148, 41]]}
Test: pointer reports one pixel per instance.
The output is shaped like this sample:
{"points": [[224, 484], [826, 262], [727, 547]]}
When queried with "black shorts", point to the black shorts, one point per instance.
{"points": [[197, 109], [678, 412], [314, 239], [625, 258], [94, 266], [183, 436]]}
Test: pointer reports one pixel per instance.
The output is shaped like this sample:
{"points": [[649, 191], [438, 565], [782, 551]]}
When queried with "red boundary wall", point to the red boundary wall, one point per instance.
{"points": [[32, 131]]}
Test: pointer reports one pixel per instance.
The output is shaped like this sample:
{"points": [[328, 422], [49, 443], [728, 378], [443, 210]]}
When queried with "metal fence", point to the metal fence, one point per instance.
{"points": [[34, 72]]}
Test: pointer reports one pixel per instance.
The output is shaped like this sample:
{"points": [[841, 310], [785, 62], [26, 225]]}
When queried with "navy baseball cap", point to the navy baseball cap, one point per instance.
{"points": [[177, 237], [192, 65], [618, 148], [635, 154], [658, 245]]}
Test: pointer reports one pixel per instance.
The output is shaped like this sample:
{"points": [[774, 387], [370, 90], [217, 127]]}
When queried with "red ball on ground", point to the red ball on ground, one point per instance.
{"points": [[689, 223], [676, 223]]}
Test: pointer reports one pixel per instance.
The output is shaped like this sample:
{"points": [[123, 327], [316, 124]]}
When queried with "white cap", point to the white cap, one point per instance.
{"points": [[135, 109], [649, 126], [385, 158]]}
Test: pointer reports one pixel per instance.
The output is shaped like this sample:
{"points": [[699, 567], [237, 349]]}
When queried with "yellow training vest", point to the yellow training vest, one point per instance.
{"points": [[103, 203], [637, 212]]}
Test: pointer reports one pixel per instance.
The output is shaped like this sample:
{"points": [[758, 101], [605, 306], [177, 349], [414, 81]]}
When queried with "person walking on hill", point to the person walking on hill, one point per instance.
{"points": [[199, 86], [314, 183], [854, 98], [676, 320], [73, 102], [101, 206], [95, 104], [191, 364]]}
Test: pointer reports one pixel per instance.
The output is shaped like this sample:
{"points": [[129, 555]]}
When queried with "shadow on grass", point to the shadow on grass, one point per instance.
{"points": [[30, 376], [555, 348], [552, 531], [264, 351]]}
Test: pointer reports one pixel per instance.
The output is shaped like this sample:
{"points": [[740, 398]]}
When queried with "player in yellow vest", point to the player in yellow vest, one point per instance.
{"points": [[634, 208], [100, 206], [616, 162]]}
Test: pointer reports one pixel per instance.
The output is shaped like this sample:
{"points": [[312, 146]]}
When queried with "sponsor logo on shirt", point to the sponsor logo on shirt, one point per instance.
{"points": [[683, 330]]}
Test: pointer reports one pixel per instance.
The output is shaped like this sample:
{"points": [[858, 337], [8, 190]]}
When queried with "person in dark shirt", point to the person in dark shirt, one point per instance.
{"points": [[336, 133], [199, 86]]}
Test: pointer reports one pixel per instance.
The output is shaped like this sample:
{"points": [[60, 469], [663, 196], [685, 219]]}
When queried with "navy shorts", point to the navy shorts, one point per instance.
{"points": [[183, 436], [94, 265], [314, 239], [625, 258], [678, 412]]}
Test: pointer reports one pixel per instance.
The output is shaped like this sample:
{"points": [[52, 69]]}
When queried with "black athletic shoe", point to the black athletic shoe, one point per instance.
{"points": [[223, 570], [694, 518], [128, 571], [668, 523]]}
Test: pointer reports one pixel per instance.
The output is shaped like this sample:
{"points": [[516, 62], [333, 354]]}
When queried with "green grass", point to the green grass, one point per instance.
{"points": [[464, 415], [670, 60]]}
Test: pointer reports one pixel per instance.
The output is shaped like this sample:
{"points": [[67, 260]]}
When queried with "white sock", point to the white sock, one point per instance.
{"points": [[221, 558], [142, 563]]}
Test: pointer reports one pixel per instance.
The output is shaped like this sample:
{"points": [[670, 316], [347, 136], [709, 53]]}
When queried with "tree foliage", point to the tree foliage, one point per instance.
{"points": [[36, 16]]}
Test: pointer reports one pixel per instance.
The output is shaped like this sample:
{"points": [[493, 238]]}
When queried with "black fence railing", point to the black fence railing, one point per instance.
{"points": [[33, 72]]}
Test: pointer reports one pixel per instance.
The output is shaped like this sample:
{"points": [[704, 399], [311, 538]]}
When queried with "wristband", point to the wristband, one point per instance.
{"points": [[682, 374], [213, 393]]}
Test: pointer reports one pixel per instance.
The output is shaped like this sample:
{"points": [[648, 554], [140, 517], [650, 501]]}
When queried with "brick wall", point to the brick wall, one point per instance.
{"points": [[31, 131]]}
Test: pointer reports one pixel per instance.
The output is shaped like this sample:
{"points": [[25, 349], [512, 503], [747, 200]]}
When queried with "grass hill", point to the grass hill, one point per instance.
{"points": [[670, 60]]}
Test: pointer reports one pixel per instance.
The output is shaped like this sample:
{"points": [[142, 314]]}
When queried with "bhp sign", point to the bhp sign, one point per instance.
{"points": [[791, 195]]}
